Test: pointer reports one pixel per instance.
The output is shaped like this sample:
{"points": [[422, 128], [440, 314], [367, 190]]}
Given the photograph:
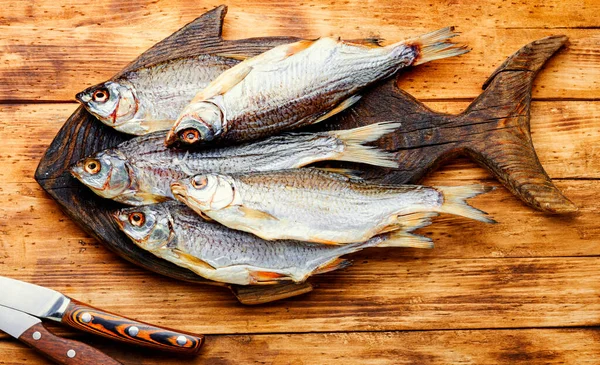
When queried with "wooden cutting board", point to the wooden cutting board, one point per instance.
{"points": [[520, 291]]}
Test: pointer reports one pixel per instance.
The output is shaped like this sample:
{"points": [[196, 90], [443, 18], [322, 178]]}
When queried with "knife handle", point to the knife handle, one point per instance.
{"points": [[86, 318], [62, 350]]}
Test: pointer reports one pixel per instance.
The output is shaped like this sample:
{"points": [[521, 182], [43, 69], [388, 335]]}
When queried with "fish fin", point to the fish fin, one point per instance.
{"points": [[455, 201], [368, 133], [297, 47], [239, 57], [149, 198], [353, 174], [434, 46], [405, 224], [355, 151], [255, 214], [151, 126], [192, 260], [225, 81], [341, 107], [405, 239], [335, 264], [373, 42], [499, 128], [267, 277]]}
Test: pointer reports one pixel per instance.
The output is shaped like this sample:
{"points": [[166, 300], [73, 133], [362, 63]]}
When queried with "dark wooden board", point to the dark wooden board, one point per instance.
{"points": [[494, 130]]}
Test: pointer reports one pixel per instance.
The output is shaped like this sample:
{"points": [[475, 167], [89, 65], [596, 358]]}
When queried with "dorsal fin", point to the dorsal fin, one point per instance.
{"points": [[195, 38]]}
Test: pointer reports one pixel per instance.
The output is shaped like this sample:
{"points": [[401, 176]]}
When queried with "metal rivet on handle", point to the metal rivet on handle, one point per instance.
{"points": [[133, 331], [71, 353], [36, 335], [86, 317], [181, 340]]}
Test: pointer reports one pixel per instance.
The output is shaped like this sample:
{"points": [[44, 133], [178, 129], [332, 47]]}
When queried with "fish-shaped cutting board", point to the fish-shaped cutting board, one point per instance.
{"points": [[420, 146]]}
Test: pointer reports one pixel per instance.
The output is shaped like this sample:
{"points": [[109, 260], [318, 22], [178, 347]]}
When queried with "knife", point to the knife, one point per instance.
{"points": [[46, 303], [30, 330]]}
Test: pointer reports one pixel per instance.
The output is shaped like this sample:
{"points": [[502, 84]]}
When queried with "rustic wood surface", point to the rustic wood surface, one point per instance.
{"points": [[493, 130], [522, 291]]}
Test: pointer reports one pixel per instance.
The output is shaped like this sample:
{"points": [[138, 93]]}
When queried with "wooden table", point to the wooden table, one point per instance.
{"points": [[526, 290]]}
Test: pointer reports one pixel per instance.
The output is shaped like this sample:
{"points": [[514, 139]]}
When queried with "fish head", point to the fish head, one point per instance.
{"points": [[206, 192], [107, 173], [198, 124], [149, 226], [113, 103]]}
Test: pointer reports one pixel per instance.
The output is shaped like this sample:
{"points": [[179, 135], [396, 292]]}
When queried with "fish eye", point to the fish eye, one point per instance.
{"points": [[100, 95], [92, 166], [199, 181], [137, 219], [189, 135]]}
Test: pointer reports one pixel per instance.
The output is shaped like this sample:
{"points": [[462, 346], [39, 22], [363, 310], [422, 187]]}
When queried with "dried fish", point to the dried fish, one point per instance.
{"points": [[150, 98], [296, 85], [317, 206], [140, 171], [176, 233]]}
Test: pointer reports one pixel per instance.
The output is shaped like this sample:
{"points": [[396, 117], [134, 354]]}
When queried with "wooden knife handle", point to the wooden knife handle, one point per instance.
{"points": [[86, 318], [62, 350]]}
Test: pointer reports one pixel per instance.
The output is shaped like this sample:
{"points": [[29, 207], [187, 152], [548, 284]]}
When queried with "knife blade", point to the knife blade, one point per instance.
{"points": [[47, 303], [30, 330]]}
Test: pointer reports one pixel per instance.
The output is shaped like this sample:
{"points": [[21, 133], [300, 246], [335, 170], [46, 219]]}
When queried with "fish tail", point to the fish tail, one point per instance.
{"points": [[435, 45], [356, 151], [455, 201], [404, 237], [497, 124]]}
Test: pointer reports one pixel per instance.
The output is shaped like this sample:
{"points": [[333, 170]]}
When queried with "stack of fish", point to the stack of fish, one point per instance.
{"points": [[213, 134]]}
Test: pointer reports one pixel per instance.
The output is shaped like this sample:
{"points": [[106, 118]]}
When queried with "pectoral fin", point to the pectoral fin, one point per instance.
{"points": [[225, 81], [255, 214], [267, 277], [192, 260], [157, 125], [342, 106]]}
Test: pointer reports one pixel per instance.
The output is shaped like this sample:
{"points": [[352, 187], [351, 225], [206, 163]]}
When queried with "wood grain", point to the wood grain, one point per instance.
{"points": [[528, 271], [378, 293], [52, 50], [566, 136], [526, 346]]}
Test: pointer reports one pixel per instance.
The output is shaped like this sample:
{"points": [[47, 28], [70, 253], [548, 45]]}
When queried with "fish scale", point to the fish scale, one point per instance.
{"points": [[161, 91], [149, 167], [318, 206], [300, 94], [234, 256]]}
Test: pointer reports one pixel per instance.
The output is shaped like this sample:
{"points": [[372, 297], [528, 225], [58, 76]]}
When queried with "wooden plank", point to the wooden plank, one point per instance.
{"points": [[50, 51], [565, 135], [383, 294], [544, 346]]}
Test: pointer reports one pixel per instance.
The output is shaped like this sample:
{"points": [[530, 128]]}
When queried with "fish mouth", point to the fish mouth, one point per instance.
{"points": [[75, 171], [117, 219], [171, 139], [179, 192], [82, 97]]}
